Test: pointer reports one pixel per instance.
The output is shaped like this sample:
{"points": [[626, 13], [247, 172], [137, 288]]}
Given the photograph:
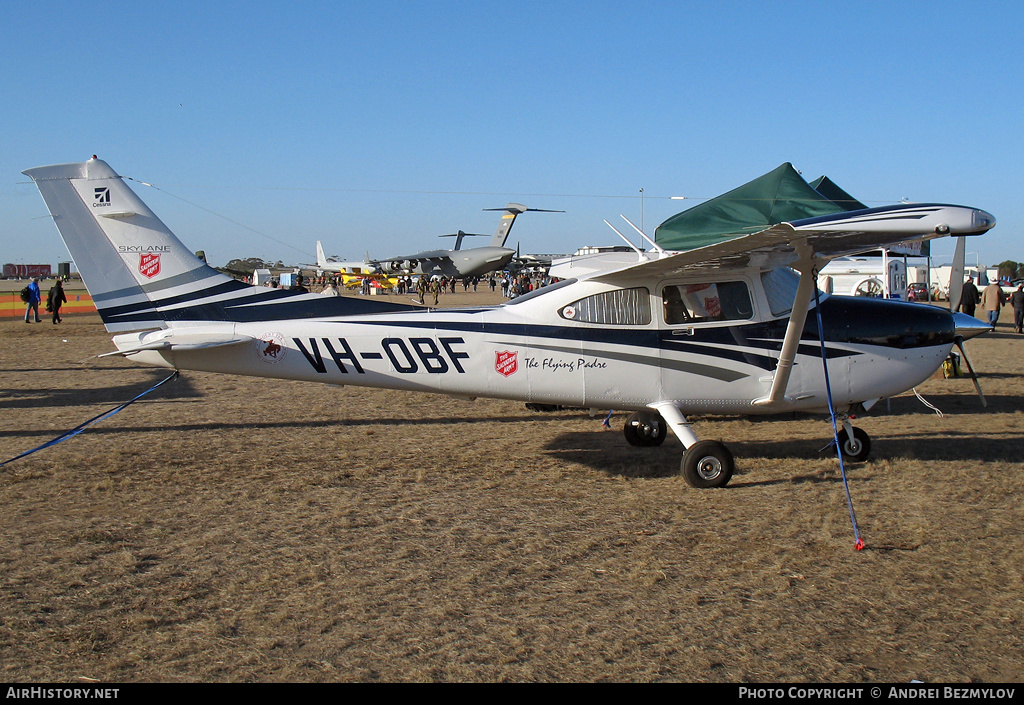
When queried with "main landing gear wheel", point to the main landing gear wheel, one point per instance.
{"points": [[858, 449], [707, 464], [645, 428]]}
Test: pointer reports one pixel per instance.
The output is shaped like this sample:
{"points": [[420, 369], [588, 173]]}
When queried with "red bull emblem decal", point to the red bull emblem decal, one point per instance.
{"points": [[505, 362], [149, 264]]}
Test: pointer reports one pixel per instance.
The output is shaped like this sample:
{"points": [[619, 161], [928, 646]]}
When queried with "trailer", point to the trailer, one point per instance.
{"points": [[878, 277]]}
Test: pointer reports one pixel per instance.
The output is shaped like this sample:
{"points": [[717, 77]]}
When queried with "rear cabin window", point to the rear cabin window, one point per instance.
{"points": [[700, 303], [621, 307]]}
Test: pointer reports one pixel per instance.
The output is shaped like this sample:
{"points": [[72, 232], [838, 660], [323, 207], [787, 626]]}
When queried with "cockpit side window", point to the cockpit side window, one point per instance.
{"points": [[622, 307], [707, 301]]}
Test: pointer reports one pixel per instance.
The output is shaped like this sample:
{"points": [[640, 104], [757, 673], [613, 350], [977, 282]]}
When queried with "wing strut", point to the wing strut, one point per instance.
{"points": [[806, 265]]}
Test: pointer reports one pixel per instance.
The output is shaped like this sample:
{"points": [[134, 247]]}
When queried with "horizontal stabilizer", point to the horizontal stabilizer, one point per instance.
{"points": [[175, 340], [508, 220]]}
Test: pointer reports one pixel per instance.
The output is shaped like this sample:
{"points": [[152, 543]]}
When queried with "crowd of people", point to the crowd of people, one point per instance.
{"points": [[992, 299], [421, 286]]}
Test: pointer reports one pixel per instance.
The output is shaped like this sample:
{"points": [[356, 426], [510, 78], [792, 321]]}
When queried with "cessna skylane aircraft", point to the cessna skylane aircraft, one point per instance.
{"points": [[731, 327]]}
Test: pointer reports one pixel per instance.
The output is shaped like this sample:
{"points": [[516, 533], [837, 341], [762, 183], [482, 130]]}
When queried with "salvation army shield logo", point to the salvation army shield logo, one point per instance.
{"points": [[506, 362], [149, 264]]}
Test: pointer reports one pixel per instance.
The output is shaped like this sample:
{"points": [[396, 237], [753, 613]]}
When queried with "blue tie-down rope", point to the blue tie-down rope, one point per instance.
{"points": [[859, 545], [78, 429]]}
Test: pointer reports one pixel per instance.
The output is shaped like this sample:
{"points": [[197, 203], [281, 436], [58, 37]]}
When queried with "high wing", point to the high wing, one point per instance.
{"points": [[823, 238], [805, 245], [432, 255]]}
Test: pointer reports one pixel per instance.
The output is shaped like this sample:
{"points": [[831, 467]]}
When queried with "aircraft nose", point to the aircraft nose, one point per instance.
{"points": [[969, 326]]}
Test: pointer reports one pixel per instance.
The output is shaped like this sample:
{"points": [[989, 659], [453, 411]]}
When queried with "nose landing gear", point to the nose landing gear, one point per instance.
{"points": [[854, 444]]}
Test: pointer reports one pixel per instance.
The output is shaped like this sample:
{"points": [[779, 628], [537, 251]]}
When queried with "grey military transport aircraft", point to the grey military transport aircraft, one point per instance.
{"points": [[459, 263], [727, 327]]}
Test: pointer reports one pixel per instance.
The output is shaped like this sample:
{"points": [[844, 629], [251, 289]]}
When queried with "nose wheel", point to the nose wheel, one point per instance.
{"points": [[855, 444]]}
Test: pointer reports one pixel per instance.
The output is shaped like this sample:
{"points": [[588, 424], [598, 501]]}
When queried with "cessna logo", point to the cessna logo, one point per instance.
{"points": [[149, 265], [100, 197], [505, 362]]}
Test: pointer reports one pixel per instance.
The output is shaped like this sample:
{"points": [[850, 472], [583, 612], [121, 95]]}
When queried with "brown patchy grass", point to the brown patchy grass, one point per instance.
{"points": [[237, 529]]}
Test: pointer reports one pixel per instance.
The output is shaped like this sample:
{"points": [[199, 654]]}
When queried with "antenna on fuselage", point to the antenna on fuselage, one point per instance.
{"points": [[653, 244], [639, 252]]}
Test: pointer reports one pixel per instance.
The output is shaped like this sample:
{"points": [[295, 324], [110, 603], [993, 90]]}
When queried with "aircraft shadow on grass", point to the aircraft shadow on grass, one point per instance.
{"points": [[608, 453], [263, 422], [73, 368], [44, 397], [953, 403]]}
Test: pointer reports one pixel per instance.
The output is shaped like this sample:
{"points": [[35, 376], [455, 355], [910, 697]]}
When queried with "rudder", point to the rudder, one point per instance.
{"points": [[124, 252], [141, 276]]}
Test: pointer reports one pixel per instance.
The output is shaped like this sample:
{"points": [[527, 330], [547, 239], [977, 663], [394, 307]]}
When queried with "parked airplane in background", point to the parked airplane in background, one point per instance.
{"points": [[459, 263], [731, 327], [352, 273], [352, 267]]}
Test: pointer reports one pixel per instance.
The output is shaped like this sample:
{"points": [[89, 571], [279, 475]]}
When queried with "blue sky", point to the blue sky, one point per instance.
{"points": [[377, 126]]}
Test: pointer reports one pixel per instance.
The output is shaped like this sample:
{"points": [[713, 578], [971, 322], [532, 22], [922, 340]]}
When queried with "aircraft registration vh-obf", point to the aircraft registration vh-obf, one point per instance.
{"points": [[719, 329]]}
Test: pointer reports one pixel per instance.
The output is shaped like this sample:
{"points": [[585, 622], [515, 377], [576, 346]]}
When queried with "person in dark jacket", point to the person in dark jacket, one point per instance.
{"points": [[55, 299], [1017, 299], [969, 297]]}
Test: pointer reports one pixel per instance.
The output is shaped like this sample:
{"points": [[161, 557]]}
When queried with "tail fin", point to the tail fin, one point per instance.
{"points": [[139, 274], [459, 237], [512, 210], [321, 258]]}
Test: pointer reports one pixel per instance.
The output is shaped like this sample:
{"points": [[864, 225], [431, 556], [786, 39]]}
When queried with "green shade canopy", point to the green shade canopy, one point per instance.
{"points": [[828, 188], [780, 196]]}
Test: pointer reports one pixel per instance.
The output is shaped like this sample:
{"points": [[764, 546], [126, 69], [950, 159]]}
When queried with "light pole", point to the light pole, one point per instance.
{"points": [[642, 212]]}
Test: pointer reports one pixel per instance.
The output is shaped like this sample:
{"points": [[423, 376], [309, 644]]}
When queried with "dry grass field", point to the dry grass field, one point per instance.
{"points": [[236, 529]]}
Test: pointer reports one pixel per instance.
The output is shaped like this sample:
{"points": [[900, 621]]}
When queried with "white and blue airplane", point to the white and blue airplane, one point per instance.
{"points": [[727, 328]]}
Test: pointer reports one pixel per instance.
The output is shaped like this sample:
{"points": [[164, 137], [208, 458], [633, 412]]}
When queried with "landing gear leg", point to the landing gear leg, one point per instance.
{"points": [[704, 463]]}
